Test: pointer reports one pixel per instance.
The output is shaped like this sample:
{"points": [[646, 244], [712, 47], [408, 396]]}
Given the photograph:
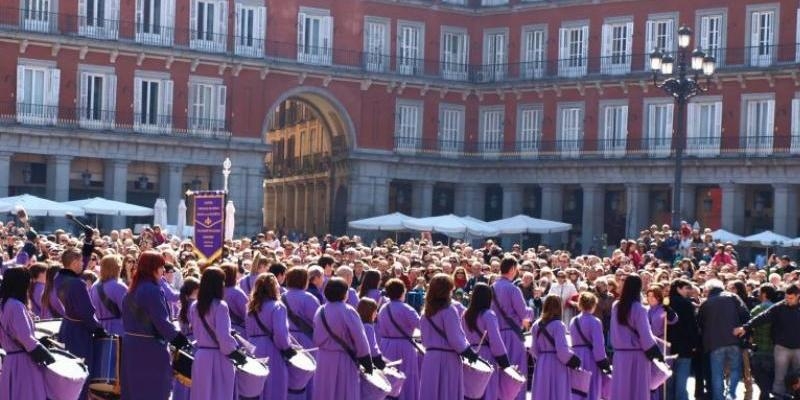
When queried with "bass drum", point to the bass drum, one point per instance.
{"points": [[182, 362], [105, 364]]}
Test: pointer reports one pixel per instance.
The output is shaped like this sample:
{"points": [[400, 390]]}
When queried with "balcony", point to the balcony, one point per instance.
{"points": [[356, 61]]}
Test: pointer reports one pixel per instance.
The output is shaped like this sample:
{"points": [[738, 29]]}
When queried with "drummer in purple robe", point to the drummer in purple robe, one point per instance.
{"points": [[235, 298], [483, 331], [107, 294], [658, 316], [368, 312], [51, 305], [38, 277], [80, 324], [586, 331], [188, 295], [213, 370], [258, 267], [170, 293], [553, 355], [442, 375], [268, 330], [343, 346], [369, 286], [633, 343], [20, 376], [395, 328], [301, 306], [146, 366], [513, 315]]}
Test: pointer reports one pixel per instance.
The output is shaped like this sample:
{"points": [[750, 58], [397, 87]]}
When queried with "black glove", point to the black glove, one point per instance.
{"points": [[366, 362], [654, 353], [237, 357], [40, 355], [288, 353], [180, 341], [670, 313], [470, 355], [502, 361], [574, 362], [100, 333], [378, 362], [604, 365]]}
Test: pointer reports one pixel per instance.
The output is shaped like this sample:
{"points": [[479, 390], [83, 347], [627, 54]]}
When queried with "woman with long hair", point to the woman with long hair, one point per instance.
{"points": [[342, 342], [38, 279], [460, 277], [146, 367], [268, 329], [370, 284], [588, 342], [445, 342], [51, 305], [480, 325], [301, 306], [235, 298], [259, 266], [20, 376], [368, 312], [217, 351], [188, 295], [107, 295], [395, 328], [633, 343], [552, 352]]}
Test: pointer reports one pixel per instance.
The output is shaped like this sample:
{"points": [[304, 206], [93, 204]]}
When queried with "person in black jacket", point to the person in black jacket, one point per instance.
{"points": [[683, 337]]}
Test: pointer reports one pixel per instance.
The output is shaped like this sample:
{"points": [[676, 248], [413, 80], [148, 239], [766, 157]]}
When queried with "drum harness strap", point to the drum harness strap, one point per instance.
{"points": [[268, 332], [12, 337], [586, 341], [210, 333], [543, 330], [338, 339], [510, 322], [300, 323], [143, 319], [402, 332], [107, 303], [441, 333]]}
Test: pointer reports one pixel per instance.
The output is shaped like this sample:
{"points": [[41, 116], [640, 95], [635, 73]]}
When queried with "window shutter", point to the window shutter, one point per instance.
{"points": [[301, 33], [260, 30], [623, 123], [326, 34], [629, 39], [82, 14], [21, 85], [584, 44], [668, 121], [464, 48], [168, 19], [166, 101], [650, 41], [670, 41], [53, 87], [83, 101], [238, 24], [651, 123], [693, 114], [717, 133], [770, 117], [222, 23], [607, 40], [704, 33], [193, 19], [563, 50], [137, 100], [111, 97], [222, 100], [112, 17], [754, 17], [139, 15]]}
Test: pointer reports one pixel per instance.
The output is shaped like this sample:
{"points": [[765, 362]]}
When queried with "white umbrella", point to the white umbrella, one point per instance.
{"points": [[230, 213], [39, 207], [724, 236], [388, 222], [101, 206], [521, 223], [181, 225], [767, 239], [4, 208], [450, 225], [160, 212]]}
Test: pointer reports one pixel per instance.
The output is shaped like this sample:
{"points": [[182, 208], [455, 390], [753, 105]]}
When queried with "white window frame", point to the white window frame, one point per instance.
{"points": [[89, 116], [493, 3], [704, 112], [208, 31], [104, 26], [376, 43], [410, 39], [454, 62], [29, 111], [613, 130], [530, 119], [162, 120], [250, 30], [451, 129], [160, 31], [658, 126], [309, 50], [534, 51], [657, 26], [495, 55], [617, 50], [758, 109], [490, 134], [207, 117], [408, 125], [38, 15], [762, 42], [706, 36], [573, 49], [570, 124], [795, 141]]}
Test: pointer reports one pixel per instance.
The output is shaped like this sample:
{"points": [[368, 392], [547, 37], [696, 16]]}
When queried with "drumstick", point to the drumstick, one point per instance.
{"points": [[308, 350], [393, 363]]}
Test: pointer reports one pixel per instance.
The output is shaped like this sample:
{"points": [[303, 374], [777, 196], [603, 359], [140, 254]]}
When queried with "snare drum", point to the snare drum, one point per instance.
{"points": [[375, 386], [46, 328], [64, 379], [105, 369], [580, 380], [476, 377], [301, 369], [182, 362], [396, 378], [251, 377], [2, 358], [659, 373], [510, 383]]}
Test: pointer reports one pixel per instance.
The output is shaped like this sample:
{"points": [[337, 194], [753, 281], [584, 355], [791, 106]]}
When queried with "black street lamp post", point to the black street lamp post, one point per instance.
{"points": [[682, 85]]}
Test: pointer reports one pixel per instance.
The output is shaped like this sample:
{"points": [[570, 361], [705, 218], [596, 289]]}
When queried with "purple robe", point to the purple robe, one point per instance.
{"points": [[508, 299], [20, 377], [442, 375], [375, 294], [270, 343], [657, 316], [173, 297], [491, 347], [337, 376], [213, 373], [631, 367], [589, 352], [395, 346], [551, 379], [144, 351], [305, 306], [374, 350], [115, 290], [237, 304], [247, 283], [36, 299], [352, 298], [53, 309], [179, 391]]}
